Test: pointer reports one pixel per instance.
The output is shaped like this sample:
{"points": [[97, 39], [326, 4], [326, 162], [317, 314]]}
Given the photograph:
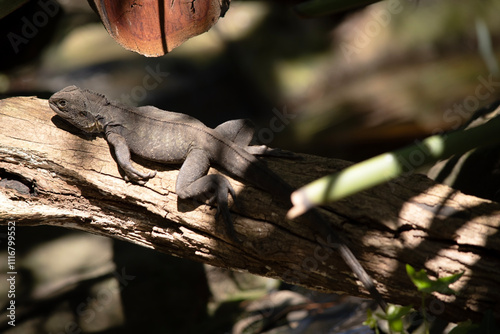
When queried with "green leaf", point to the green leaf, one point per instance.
{"points": [[394, 316], [464, 328], [396, 325], [425, 284], [370, 321], [387, 166], [395, 312], [488, 325]]}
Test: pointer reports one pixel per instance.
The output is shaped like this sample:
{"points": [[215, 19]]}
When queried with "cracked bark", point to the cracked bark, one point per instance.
{"points": [[76, 184]]}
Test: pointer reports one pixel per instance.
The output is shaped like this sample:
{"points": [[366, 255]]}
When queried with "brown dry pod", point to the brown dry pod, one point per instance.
{"points": [[155, 27]]}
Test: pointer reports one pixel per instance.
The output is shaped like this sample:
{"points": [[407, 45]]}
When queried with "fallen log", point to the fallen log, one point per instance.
{"points": [[54, 175]]}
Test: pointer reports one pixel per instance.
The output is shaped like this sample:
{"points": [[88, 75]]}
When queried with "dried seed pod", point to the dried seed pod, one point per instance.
{"points": [[153, 28]]}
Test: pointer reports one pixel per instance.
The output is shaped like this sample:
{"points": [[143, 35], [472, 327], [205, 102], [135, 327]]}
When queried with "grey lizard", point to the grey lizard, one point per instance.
{"points": [[170, 137]]}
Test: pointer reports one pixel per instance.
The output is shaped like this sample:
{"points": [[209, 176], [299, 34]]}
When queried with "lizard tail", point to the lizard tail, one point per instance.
{"points": [[244, 165], [247, 167], [333, 240], [362, 275]]}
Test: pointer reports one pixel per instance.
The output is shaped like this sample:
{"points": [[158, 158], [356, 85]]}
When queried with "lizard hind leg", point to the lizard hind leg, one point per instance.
{"points": [[241, 132], [194, 183]]}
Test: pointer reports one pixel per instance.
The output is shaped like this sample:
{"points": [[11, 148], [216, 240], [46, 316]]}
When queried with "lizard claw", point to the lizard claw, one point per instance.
{"points": [[214, 189], [221, 195], [138, 177]]}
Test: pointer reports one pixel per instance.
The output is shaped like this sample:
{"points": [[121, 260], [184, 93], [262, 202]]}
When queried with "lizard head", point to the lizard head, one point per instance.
{"points": [[72, 104]]}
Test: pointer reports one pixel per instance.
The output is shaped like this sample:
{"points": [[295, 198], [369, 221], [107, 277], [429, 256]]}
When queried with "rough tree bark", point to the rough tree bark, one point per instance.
{"points": [[75, 183]]}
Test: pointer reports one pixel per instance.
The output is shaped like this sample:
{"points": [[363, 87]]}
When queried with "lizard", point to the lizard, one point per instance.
{"points": [[174, 138]]}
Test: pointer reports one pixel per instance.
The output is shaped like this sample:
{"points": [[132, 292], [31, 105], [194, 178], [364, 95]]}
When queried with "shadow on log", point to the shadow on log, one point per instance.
{"points": [[61, 178]]}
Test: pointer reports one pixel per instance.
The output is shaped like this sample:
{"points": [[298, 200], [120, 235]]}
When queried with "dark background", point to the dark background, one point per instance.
{"points": [[354, 84]]}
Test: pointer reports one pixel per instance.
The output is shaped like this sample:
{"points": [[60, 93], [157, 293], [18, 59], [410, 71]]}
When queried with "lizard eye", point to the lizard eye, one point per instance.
{"points": [[82, 114], [62, 103]]}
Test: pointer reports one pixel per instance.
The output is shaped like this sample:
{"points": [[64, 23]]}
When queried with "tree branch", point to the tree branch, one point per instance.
{"points": [[75, 183]]}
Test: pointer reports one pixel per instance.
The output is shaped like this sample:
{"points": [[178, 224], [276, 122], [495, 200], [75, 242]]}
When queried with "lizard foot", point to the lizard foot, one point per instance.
{"points": [[271, 152], [139, 177], [216, 189], [220, 197]]}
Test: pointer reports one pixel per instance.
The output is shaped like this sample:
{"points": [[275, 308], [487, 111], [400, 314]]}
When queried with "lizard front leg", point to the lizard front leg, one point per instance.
{"points": [[122, 153], [193, 182]]}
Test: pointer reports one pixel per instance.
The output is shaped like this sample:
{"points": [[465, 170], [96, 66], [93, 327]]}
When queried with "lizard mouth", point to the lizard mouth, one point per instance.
{"points": [[53, 106], [55, 109]]}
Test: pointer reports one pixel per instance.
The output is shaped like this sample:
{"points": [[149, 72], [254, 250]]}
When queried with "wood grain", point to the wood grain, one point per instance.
{"points": [[411, 220]]}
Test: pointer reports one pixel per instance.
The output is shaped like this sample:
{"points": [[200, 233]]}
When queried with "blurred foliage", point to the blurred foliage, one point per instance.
{"points": [[360, 83], [402, 319], [352, 85], [8, 6], [476, 172], [326, 7]]}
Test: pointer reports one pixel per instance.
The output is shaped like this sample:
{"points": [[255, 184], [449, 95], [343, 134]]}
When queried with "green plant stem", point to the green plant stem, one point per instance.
{"points": [[387, 166], [424, 314]]}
